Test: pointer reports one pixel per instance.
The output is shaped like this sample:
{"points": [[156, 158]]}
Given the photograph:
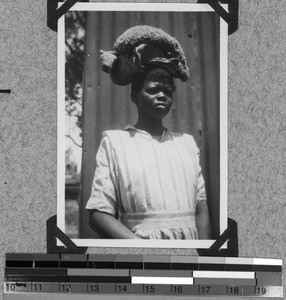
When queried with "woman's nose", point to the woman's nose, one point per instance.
{"points": [[162, 96]]}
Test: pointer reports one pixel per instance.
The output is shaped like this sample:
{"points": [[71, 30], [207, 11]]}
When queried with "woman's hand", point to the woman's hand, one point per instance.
{"points": [[203, 221], [105, 223]]}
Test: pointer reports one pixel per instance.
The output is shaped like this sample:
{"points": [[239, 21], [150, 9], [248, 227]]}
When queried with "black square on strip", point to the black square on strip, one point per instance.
{"points": [[101, 264], [128, 265], [267, 268], [73, 264], [234, 267], [19, 264], [211, 267], [47, 264], [184, 266], [157, 266]]}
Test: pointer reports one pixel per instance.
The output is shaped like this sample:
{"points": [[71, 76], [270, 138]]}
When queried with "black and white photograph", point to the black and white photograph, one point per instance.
{"points": [[142, 125]]}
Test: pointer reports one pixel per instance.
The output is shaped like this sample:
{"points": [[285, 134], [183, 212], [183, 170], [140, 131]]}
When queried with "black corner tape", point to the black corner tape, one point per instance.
{"points": [[53, 232], [230, 17], [230, 236], [54, 13]]}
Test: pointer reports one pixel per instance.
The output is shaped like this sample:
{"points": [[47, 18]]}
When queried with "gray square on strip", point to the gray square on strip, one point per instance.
{"points": [[184, 259], [74, 257], [157, 258], [102, 257]]}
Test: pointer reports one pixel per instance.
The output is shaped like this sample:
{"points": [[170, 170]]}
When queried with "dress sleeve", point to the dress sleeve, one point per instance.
{"points": [[201, 190], [103, 190]]}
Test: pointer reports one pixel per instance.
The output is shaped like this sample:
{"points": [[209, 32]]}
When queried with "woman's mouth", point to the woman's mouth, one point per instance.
{"points": [[160, 105]]}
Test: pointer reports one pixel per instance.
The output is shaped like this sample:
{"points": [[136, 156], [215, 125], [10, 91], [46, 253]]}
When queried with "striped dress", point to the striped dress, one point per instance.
{"points": [[151, 184]]}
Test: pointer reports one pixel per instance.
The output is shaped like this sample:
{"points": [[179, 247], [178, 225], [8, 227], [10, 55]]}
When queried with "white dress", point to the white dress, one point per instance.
{"points": [[151, 184]]}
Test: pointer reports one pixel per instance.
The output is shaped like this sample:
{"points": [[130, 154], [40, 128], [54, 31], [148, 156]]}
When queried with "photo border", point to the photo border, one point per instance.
{"points": [[123, 6]]}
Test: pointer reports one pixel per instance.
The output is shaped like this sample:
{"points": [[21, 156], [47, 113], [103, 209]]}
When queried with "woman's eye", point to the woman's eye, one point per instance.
{"points": [[153, 91], [168, 92]]}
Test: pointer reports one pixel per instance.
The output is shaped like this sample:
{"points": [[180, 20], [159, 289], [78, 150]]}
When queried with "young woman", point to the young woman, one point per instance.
{"points": [[148, 182]]}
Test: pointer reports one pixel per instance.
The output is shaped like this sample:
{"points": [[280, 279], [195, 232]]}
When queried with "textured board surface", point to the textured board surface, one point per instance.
{"points": [[256, 120]]}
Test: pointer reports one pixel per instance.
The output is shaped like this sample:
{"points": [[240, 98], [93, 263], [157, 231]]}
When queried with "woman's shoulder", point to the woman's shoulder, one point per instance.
{"points": [[115, 135], [183, 136], [185, 139]]}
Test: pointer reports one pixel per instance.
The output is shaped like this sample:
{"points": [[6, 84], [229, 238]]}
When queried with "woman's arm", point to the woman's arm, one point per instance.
{"points": [[203, 221], [107, 224]]}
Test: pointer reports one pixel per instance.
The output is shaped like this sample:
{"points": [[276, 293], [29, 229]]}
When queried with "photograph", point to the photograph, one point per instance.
{"points": [[142, 125]]}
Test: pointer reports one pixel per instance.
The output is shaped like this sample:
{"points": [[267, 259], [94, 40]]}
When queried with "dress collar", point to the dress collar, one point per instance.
{"points": [[165, 135]]}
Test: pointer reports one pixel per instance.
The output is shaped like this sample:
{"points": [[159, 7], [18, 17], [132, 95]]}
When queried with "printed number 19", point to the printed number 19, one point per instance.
{"points": [[261, 290]]}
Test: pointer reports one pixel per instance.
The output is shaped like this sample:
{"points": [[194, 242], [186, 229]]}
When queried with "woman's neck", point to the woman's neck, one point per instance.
{"points": [[155, 127]]}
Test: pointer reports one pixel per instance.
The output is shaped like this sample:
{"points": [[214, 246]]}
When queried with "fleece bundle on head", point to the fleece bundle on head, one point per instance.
{"points": [[141, 48], [157, 75]]}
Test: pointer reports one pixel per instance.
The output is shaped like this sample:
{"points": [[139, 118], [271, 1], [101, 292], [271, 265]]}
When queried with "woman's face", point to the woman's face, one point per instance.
{"points": [[155, 98]]}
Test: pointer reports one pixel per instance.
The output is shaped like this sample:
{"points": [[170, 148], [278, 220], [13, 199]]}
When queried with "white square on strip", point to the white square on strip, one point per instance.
{"points": [[162, 280]]}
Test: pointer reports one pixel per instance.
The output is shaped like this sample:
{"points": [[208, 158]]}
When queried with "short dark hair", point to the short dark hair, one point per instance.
{"points": [[151, 75]]}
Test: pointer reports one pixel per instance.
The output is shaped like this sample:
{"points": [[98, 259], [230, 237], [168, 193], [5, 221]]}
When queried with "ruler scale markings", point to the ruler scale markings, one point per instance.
{"points": [[209, 290], [101, 288], [235, 290], [206, 290], [156, 289], [263, 291]]}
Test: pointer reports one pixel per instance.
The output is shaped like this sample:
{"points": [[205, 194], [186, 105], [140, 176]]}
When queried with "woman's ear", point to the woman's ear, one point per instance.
{"points": [[134, 97]]}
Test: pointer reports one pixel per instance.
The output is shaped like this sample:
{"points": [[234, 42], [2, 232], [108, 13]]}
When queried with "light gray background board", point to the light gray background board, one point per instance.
{"points": [[256, 120]]}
